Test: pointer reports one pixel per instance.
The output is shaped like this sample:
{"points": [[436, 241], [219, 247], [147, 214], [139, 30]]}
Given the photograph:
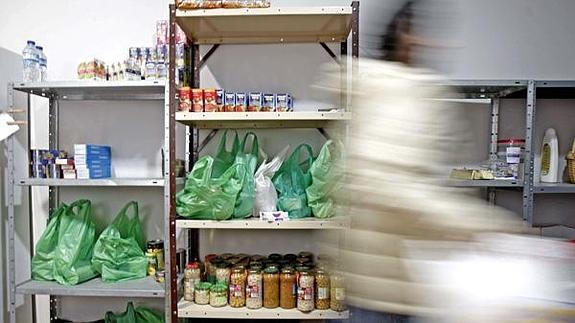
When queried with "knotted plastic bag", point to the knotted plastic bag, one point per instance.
{"points": [[326, 173], [291, 181], [119, 251], [64, 250], [210, 198], [224, 159], [139, 314], [249, 160], [266, 197]]}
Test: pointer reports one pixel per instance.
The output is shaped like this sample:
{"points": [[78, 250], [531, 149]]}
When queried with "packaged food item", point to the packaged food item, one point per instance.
{"points": [[152, 263], [234, 4], [181, 37], [337, 292], [241, 102], [290, 103], [322, 290], [157, 247], [208, 260], [281, 103], [197, 100], [198, 4], [220, 100], [258, 4], [271, 287], [210, 104], [160, 276], [185, 99], [254, 289], [192, 276], [93, 69], [161, 32], [202, 293], [223, 272], [238, 287], [229, 102], [219, 295], [254, 101], [288, 289], [305, 291], [268, 102]]}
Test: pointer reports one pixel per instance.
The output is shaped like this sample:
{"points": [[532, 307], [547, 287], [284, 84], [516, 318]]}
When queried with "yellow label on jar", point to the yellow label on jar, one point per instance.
{"points": [[545, 159]]}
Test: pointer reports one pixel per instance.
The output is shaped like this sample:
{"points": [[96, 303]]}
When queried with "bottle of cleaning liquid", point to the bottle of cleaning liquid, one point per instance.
{"points": [[550, 157]]}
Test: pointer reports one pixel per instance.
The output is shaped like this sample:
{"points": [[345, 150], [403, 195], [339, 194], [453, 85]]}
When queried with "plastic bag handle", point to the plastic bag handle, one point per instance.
{"points": [[296, 154], [224, 140], [131, 204], [255, 145], [79, 204]]}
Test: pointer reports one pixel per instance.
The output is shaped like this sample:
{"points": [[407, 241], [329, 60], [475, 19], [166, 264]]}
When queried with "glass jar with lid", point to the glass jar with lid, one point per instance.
{"points": [[271, 286], [202, 293], [337, 292], [223, 272], [322, 289], [219, 295], [288, 288], [254, 299], [238, 287], [305, 291], [192, 275]]}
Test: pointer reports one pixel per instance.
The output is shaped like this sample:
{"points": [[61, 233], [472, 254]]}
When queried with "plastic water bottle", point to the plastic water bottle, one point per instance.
{"points": [[30, 62], [43, 63]]}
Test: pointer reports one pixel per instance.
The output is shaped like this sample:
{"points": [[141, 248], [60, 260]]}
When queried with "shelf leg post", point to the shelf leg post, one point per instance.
{"points": [[529, 168], [53, 191], [10, 194], [171, 301]]}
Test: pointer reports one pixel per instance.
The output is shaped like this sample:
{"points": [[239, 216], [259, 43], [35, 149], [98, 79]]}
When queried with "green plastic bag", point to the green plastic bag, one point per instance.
{"points": [[291, 181], [64, 250], [326, 173], [139, 314], [208, 198], [119, 251], [245, 201], [225, 159]]}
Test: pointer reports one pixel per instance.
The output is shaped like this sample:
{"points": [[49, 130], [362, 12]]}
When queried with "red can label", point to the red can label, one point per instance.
{"points": [[184, 94], [197, 100], [210, 97]]}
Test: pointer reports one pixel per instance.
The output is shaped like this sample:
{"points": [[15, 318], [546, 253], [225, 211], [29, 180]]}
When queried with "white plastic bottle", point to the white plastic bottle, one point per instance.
{"points": [[550, 157], [43, 64], [30, 62]]}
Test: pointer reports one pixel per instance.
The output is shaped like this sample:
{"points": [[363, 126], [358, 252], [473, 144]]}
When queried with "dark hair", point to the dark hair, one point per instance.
{"points": [[401, 23]]}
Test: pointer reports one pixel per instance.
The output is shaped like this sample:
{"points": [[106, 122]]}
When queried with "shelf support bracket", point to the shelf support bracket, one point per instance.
{"points": [[330, 52], [324, 133], [207, 140], [210, 52]]}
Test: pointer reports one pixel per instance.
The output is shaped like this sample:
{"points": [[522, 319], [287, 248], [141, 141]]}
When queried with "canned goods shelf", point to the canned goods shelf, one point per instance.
{"points": [[258, 120], [266, 25], [190, 310], [96, 90], [145, 287], [255, 223], [554, 188], [126, 182]]}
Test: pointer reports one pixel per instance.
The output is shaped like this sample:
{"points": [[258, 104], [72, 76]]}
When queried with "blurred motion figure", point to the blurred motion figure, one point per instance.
{"points": [[418, 249]]}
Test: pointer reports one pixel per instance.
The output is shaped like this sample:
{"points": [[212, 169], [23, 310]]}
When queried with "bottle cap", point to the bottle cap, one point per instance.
{"points": [[31, 42], [40, 47]]}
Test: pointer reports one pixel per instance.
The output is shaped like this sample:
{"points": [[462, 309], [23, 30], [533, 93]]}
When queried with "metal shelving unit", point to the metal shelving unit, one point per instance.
{"points": [[76, 90], [252, 26]]}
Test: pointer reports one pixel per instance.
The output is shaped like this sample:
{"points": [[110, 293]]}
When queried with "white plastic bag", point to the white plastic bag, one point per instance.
{"points": [[266, 196]]}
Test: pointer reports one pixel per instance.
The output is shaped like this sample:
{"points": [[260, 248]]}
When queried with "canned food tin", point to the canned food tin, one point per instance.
{"points": [[152, 263], [229, 102], [210, 104], [268, 102], [254, 102], [38, 171], [157, 247], [184, 94], [160, 276], [197, 100], [220, 99], [241, 102], [54, 171]]}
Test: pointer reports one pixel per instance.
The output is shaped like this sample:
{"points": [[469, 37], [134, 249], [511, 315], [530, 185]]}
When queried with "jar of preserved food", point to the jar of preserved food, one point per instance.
{"points": [[288, 288], [305, 254], [271, 283], [305, 291], [322, 290], [202, 293], [211, 273], [238, 287], [192, 275], [337, 291], [223, 272], [254, 289], [208, 264], [275, 257], [219, 295], [290, 257]]}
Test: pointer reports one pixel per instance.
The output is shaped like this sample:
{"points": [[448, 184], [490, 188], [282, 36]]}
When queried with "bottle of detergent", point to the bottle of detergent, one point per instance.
{"points": [[550, 157]]}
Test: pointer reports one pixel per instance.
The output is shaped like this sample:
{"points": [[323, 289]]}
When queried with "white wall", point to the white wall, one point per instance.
{"points": [[487, 39]]}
